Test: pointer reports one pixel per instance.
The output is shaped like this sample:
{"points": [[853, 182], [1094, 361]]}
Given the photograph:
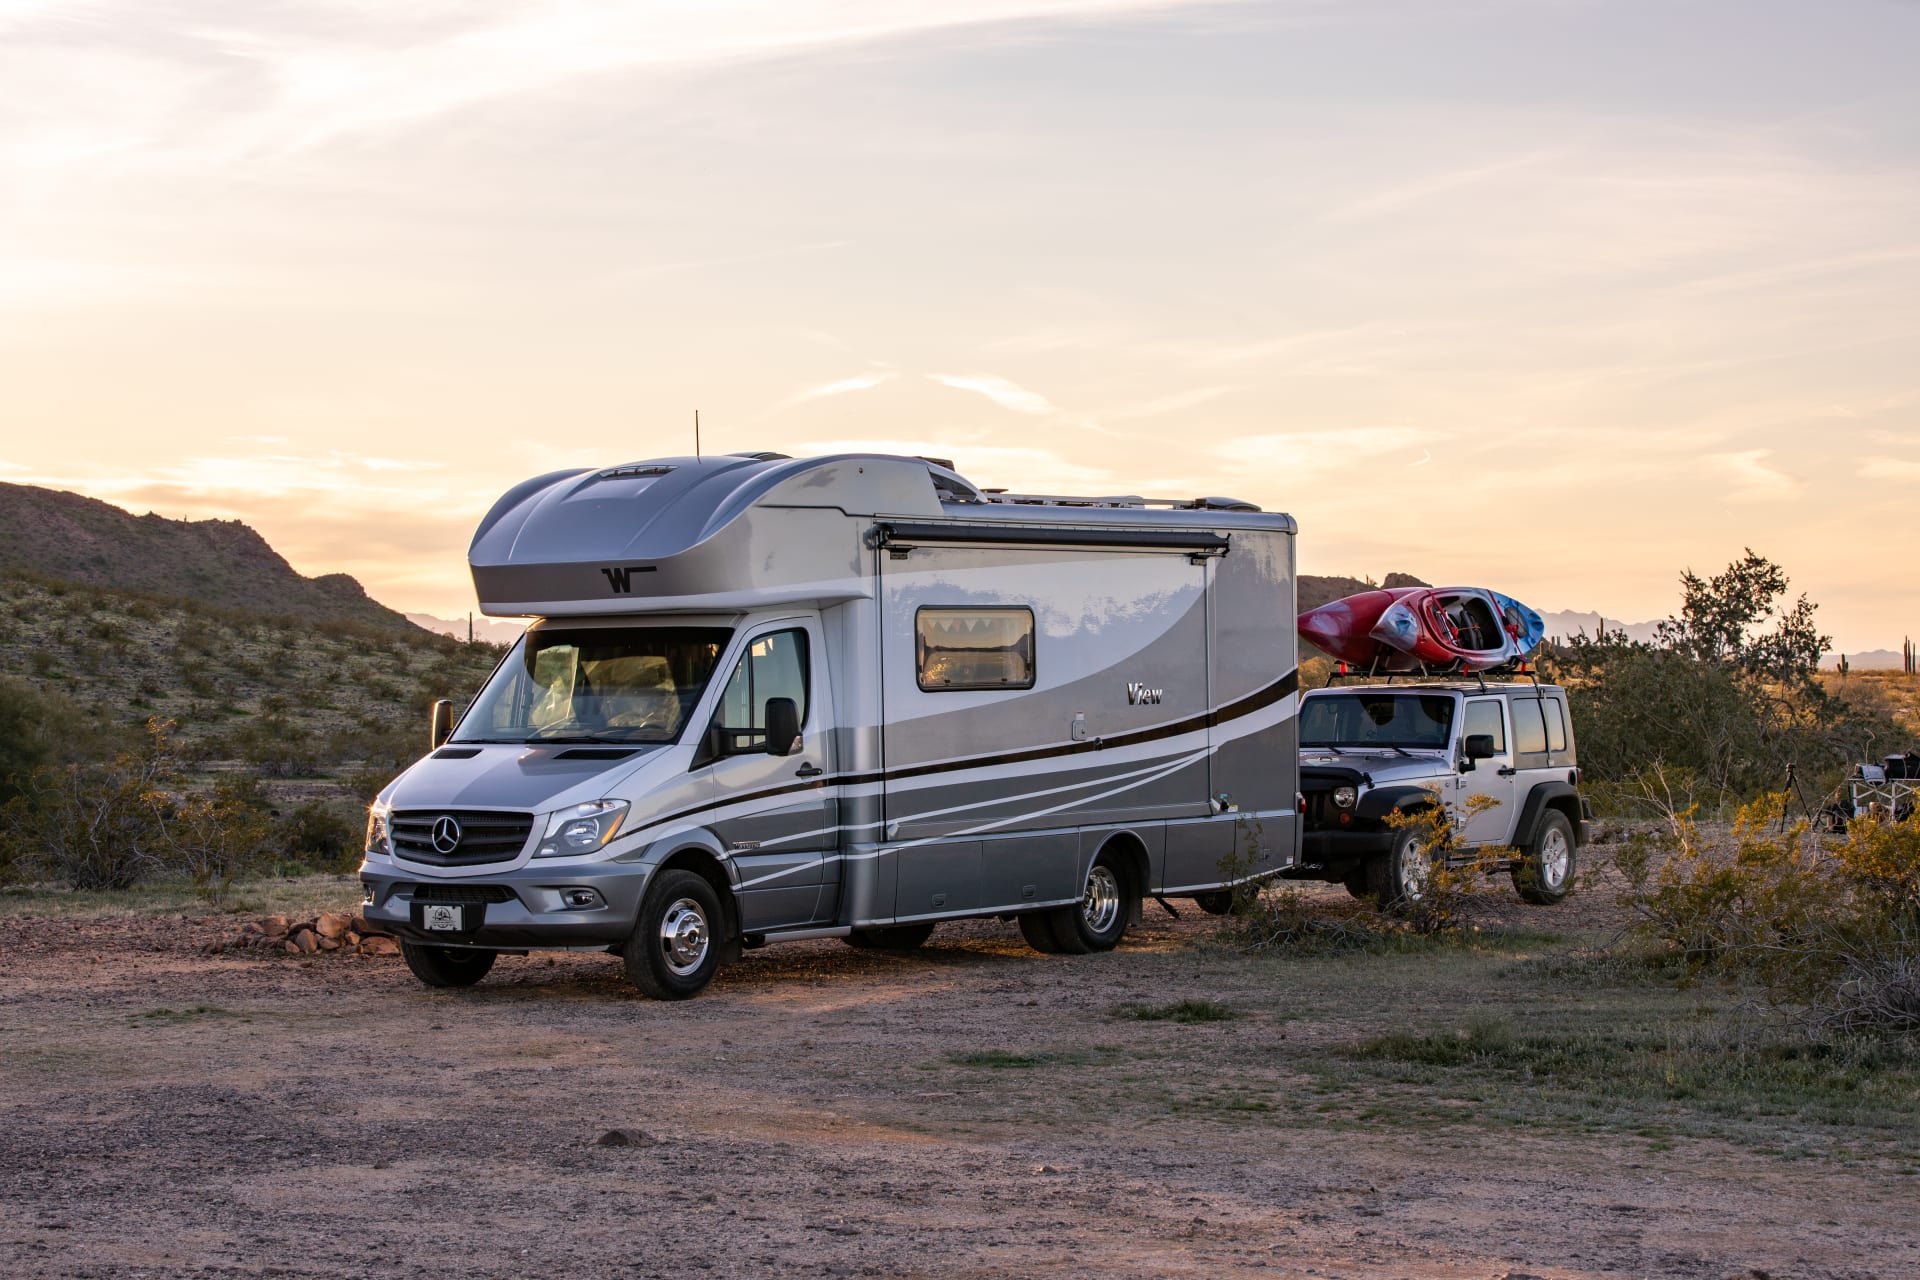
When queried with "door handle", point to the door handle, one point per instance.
{"points": [[1507, 771], [808, 770]]}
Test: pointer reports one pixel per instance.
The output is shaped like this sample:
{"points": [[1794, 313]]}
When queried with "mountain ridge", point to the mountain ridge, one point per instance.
{"points": [[69, 537]]}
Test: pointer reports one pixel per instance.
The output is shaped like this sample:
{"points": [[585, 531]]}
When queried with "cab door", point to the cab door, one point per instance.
{"points": [[776, 815], [1483, 797]]}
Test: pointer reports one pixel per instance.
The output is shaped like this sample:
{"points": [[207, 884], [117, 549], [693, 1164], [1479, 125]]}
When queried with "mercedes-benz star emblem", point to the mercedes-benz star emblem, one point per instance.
{"points": [[446, 835]]}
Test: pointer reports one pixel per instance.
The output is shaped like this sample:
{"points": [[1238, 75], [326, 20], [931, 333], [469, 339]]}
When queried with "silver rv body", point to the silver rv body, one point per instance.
{"points": [[995, 706]]}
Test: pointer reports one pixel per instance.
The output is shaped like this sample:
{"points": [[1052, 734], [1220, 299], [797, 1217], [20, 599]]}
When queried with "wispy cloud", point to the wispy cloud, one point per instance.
{"points": [[1751, 478], [841, 387], [1167, 404], [1901, 469], [1003, 392]]}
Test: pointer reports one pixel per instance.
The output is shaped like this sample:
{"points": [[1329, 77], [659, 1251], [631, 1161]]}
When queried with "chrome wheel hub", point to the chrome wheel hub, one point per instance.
{"points": [[1554, 859], [1101, 906], [684, 937], [1414, 870]]}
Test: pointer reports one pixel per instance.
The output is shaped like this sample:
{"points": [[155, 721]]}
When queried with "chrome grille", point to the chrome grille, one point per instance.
{"points": [[460, 893], [486, 835]]}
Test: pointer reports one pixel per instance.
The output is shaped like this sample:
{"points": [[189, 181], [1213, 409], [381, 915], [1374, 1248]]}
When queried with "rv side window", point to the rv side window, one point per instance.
{"points": [[973, 648], [775, 666], [1530, 726], [1556, 725]]}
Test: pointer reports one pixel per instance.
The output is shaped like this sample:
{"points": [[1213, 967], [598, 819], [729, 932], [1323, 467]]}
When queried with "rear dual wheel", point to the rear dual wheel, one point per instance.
{"points": [[1108, 902]]}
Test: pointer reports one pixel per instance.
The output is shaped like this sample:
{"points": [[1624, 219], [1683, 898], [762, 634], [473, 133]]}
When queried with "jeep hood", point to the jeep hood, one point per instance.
{"points": [[1380, 765]]}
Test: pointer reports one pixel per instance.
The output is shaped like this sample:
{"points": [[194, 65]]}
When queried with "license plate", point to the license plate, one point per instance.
{"points": [[447, 917]]}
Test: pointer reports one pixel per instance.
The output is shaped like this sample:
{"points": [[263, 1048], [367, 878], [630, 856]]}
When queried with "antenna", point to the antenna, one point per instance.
{"points": [[696, 433]]}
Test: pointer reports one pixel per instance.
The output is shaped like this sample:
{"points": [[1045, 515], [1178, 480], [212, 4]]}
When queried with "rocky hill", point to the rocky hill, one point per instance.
{"points": [[66, 537]]}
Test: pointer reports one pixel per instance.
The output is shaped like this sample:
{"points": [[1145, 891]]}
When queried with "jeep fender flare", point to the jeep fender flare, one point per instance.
{"points": [[1544, 796], [1382, 802]]}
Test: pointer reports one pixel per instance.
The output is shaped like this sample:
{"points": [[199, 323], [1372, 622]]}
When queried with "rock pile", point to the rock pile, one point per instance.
{"points": [[328, 931]]}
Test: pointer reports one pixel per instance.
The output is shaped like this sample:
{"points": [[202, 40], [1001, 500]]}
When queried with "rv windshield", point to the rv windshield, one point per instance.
{"points": [[596, 684], [1377, 720]]}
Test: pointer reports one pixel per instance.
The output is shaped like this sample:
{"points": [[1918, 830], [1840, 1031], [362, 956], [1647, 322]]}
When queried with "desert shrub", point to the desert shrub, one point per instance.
{"points": [[1827, 927], [316, 835], [275, 747], [94, 825], [1455, 874], [213, 839], [111, 824]]}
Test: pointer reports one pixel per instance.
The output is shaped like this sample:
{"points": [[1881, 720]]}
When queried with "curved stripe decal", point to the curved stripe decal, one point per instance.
{"points": [[1253, 703]]}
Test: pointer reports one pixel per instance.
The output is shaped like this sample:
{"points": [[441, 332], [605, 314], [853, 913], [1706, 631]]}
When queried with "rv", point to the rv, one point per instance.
{"points": [[766, 698]]}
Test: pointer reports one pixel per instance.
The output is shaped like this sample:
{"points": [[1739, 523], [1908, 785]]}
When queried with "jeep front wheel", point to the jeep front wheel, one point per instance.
{"points": [[1399, 875]]}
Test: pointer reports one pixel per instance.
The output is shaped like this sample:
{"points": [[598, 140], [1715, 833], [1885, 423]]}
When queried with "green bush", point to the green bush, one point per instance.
{"points": [[1828, 927], [317, 835]]}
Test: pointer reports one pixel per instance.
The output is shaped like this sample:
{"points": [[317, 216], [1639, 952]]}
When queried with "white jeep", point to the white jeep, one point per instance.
{"points": [[1370, 752]]}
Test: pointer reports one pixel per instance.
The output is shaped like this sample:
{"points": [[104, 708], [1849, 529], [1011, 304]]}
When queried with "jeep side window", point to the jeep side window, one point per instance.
{"points": [[1556, 725], [1483, 716], [1530, 726]]}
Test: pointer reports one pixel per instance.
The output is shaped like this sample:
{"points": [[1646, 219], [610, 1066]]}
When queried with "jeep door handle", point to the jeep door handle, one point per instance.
{"points": [[1507, 771], [808, 770]]}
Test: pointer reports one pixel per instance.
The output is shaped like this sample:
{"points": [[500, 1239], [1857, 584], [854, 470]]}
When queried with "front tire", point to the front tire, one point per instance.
{"points": [[1107, 905], [895, 937], [675, 951], [446, 966], [1544, 875], [1400, 875]]}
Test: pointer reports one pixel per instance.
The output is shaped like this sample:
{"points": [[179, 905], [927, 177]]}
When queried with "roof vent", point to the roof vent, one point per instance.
{"points": [[629, 472], [1220, 504], [762, 456]]}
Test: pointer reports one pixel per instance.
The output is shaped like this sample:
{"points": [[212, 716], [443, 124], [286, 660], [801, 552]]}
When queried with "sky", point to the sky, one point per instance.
{"points": [[1560, 297]]}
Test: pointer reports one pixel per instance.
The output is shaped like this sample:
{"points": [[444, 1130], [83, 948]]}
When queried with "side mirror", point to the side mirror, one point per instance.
{"points": [[1478, 746], [440, 726], [713, 745], [783, 725]]}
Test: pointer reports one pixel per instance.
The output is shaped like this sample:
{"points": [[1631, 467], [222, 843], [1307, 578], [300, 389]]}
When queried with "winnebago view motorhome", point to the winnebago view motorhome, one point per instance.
{"points": [[767, 698]]}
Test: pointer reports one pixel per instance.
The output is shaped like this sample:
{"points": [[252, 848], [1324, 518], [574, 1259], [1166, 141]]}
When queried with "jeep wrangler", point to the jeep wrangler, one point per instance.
{"points": [[1370, 752]]}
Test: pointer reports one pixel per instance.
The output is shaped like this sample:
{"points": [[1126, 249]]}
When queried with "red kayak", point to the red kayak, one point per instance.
{"points": [[1424, 628]]}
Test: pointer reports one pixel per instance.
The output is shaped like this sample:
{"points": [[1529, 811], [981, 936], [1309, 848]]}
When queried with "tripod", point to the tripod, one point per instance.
{"points": [[1792, 788]]}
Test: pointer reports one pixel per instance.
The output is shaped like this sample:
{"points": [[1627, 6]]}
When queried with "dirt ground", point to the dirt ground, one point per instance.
{"points": [[972, 1110]]}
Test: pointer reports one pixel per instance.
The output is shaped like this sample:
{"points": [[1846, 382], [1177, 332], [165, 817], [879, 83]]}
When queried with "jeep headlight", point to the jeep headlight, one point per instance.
{"points": [[1343, 797], [379, 837], [581, 829]]}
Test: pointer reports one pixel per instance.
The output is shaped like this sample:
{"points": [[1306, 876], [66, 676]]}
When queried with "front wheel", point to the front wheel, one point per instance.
{"points": [[1544, 874], [675, 950], [1399, 876], [446, 966], [896, 937]]}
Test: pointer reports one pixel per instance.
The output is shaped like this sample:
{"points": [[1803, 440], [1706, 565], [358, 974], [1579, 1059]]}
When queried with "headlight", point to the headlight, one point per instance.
{"points": [[581, 829], [1343, 797], [379, 838]]}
